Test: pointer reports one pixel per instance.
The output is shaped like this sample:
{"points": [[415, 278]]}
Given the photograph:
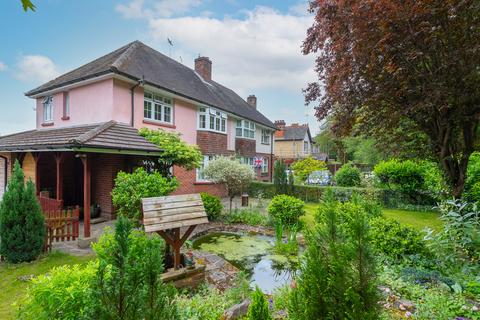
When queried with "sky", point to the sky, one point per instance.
{"points": [[255, 47]]}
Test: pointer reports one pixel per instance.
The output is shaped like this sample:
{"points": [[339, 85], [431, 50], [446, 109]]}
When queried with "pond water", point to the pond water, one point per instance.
{"points": [[252, 254]]}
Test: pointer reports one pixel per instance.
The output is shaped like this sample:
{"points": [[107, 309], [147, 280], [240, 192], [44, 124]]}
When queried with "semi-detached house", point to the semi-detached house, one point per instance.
{"points": [[87, 121]]}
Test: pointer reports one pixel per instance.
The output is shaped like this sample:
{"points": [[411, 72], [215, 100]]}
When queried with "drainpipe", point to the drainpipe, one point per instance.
{"points": [[5, 172], [132, 94], [271, 155]]}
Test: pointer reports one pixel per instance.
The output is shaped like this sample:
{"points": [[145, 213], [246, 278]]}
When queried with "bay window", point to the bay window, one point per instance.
{"points": [[200, 176], [245, 129], [212, 120], [157, 108]]}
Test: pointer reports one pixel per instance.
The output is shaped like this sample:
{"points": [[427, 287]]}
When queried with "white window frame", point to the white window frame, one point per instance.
{"points": [[210, 119], [264, 166], [198, 174], [245, 129], [47, 109], [159, 105], [67, 104], [266, 136], [305, 147]]}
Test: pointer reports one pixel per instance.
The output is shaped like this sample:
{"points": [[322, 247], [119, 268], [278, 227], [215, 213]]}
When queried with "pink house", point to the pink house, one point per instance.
{"points": [[87, 120]]}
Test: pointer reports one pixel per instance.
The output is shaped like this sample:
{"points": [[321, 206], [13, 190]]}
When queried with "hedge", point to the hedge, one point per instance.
{"points": [[389, 198]]}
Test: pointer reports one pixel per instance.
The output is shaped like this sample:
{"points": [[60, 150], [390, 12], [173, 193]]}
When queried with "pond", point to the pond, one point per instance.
{"points": [[252, 254]]}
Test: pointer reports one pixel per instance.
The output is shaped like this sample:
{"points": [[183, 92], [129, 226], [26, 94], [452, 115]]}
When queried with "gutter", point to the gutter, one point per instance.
{"points": [[272, 160], [140, 82]]}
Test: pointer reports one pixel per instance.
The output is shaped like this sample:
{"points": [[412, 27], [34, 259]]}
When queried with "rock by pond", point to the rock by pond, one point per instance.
{"points": [[252, 254]]}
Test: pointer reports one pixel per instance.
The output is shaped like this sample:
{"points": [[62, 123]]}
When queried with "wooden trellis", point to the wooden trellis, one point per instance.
{"points": [[166, 215]]}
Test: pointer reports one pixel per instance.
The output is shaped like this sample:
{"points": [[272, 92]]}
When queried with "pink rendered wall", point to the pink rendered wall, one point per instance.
{"points": [[92, 103], [184, 118]]}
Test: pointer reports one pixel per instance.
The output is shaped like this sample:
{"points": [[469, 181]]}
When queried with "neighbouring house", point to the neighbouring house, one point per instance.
{"points": [[87, 121], [295, 142]]}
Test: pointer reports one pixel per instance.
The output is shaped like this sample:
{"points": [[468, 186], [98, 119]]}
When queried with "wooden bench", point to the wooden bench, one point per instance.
{"points": [[166, 215]]}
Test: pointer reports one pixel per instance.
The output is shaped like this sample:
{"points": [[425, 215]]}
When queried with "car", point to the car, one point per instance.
{"points": [[320, 177]]}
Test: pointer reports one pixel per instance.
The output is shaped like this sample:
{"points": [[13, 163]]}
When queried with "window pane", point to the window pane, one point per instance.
{"points": [[202, 109], [158, 112], [239, 123], [148, 95], [167, 114], [238, 132], [212, 122], [203, 121], [223, 125], [217, 124], [147, 109]]}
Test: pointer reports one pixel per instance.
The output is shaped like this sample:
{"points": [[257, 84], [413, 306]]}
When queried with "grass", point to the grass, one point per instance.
{"points": [[418, 220], [12, 289]]}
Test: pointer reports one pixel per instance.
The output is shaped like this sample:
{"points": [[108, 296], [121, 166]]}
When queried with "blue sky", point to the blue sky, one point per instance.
{"points": [[254, 46]]}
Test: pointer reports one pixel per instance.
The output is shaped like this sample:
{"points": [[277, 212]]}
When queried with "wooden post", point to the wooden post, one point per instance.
{"points": [[176, 248], [36, 158], [86, 195], [58, 161]]}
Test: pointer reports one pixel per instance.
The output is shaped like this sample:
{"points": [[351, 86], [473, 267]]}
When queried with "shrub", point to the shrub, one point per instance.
{"points": [[213, 206], [258, 309], [394, 240], [280, 180], [130, 188], [174, 150], [336, 278], [348, 176], [472, 183], [128, 282], [63, 293], [234, 175], [304, 167], [251, 217], [286, 209], [22, 226]]}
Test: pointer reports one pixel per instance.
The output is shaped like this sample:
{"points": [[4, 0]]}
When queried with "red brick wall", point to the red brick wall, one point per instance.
{"points": [[245, 147], [212, 142], [189, 185], [104, 171]]}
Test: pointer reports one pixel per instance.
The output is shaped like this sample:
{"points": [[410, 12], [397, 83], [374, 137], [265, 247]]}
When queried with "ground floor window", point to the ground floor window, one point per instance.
{"points": [[265, 165], [203, 165]]}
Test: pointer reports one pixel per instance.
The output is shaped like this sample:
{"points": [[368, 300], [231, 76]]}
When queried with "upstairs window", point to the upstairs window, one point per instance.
{"points": [[212, 120], [305, 146], [245, 129], [66, 105], [157, 108], [266, 136], [47, 109]]}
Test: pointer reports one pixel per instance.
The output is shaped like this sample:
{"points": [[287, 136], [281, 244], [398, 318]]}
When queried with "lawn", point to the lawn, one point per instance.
{"points": [[418, 220], [11, 288]]}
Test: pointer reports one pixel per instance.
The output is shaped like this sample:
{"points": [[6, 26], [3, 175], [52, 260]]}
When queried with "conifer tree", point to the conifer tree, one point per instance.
{"points": [[22, 226], [258, 309], [280, 179]]}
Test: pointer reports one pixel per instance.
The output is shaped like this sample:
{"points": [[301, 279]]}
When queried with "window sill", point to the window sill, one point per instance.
{"points": [[64, 118], [47, 124], [265, 144], [159, 123], [214, 131], [251, 139], [203, 183]]}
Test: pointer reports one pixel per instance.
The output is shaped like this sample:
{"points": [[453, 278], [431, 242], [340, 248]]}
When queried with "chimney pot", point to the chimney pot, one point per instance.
{"points": [[203, 66], [280, 124], [252, 100]]}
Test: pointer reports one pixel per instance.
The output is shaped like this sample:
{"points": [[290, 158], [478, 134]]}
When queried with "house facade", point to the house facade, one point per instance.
{"points": [[294, 142], [130, 88]]}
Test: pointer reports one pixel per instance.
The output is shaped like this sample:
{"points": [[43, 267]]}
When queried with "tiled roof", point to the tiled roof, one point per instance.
{"points": [[292, 133], [137, 61], [108, 135]]}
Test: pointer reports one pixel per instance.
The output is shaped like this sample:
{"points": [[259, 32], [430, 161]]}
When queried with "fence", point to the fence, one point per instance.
{"points": [[49, 204], [62, 225]]}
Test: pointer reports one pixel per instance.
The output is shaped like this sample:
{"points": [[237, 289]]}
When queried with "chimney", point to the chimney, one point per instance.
{"points": [[294, 125], [280, 124], [252, 100], [203, 66]]}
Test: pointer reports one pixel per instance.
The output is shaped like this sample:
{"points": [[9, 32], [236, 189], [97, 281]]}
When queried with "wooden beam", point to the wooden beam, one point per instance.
{"points": [[166, 237], [86, 194], [187, 234], [59, 156], [36, 158], [176, 249]]}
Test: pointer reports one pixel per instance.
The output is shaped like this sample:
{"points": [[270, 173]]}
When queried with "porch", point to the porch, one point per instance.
{"points": [[76, 166]]}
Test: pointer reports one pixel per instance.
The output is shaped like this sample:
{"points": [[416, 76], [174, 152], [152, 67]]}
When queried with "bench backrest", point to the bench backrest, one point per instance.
{"points": [[169, 212]]}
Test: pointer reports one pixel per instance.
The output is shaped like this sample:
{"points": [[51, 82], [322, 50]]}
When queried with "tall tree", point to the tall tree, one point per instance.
{"points": [[27, 4], [384, 62]]}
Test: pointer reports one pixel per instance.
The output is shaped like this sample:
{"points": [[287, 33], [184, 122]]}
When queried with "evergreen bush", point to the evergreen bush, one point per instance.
{"points": [[213, 206], [286, 209], [22, 225], [348, 176], [280, 179], [258, 309]]}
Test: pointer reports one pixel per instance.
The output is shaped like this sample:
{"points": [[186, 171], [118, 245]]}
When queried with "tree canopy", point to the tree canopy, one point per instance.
{"points": [[383, 63], [28, 5]]}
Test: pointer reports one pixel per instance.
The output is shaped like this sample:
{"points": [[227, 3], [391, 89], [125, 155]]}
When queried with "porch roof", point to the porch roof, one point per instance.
{"points": [[108, 137]]}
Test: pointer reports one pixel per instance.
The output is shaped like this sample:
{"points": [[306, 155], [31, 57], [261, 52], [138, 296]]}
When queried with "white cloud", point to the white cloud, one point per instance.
{"points": [[260, 51], [3, 66], [36, 68], [136, 9]]}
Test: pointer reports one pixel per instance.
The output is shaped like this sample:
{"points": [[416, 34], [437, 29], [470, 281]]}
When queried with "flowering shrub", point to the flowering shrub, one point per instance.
{"points": [[303, 168]]}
